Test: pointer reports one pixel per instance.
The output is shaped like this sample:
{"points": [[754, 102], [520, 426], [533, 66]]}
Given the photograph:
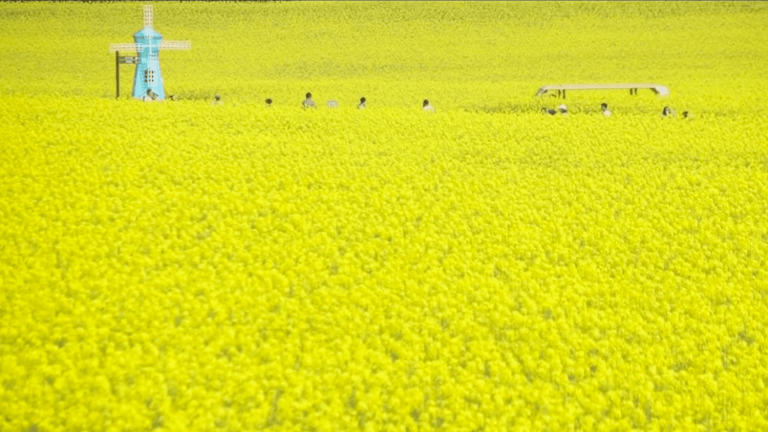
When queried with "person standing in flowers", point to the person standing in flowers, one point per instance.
{"points": [[604, 109], [217, 100], [666, 112], [308, 102], [361, 105], [428, 107], [150, 96], [269, 102], [563, 110]]}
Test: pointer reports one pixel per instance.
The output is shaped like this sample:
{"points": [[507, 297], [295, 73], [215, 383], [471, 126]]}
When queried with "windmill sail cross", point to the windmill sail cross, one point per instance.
{"points": [[175, 45], [132, 47], [148, 16]]}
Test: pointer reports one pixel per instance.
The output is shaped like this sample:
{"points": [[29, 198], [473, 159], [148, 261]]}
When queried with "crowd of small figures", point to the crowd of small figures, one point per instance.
{"points": [[563, 110], [426, 105]]}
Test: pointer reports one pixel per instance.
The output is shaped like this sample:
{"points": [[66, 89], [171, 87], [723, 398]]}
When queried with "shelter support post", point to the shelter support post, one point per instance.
{"points": [[117, 74]]}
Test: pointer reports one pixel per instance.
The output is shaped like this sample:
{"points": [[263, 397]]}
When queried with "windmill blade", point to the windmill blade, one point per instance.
{"points": [[175, 45], [131, 47], [148, 16]]}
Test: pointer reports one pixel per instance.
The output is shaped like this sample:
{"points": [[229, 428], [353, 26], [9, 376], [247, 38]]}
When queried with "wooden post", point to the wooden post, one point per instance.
{"points": [[117, 74]]}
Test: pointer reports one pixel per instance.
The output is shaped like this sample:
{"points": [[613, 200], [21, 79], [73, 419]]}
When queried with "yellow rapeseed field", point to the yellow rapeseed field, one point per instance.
{"points": [[179, 266]]}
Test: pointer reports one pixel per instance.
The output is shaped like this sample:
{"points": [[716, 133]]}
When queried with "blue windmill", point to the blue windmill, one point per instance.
{"points": [[148, 44]]}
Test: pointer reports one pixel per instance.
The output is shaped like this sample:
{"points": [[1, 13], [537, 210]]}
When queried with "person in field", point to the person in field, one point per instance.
{"points": [[361, 105], [666, 112], [150, 96], [428, 107], [563, 110], [685, 114], [308, 102], [604, 109], [269, 102], [217, 100], [549, 111]]}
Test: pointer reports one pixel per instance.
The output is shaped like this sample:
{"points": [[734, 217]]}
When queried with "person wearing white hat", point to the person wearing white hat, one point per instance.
{"points": [[563, 110]]}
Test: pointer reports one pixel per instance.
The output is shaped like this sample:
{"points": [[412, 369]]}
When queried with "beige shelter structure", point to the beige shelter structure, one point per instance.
{"points": [[562, 88]]}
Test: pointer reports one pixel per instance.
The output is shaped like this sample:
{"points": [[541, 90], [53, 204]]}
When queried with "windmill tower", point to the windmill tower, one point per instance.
{"points": [[148, 44]]}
